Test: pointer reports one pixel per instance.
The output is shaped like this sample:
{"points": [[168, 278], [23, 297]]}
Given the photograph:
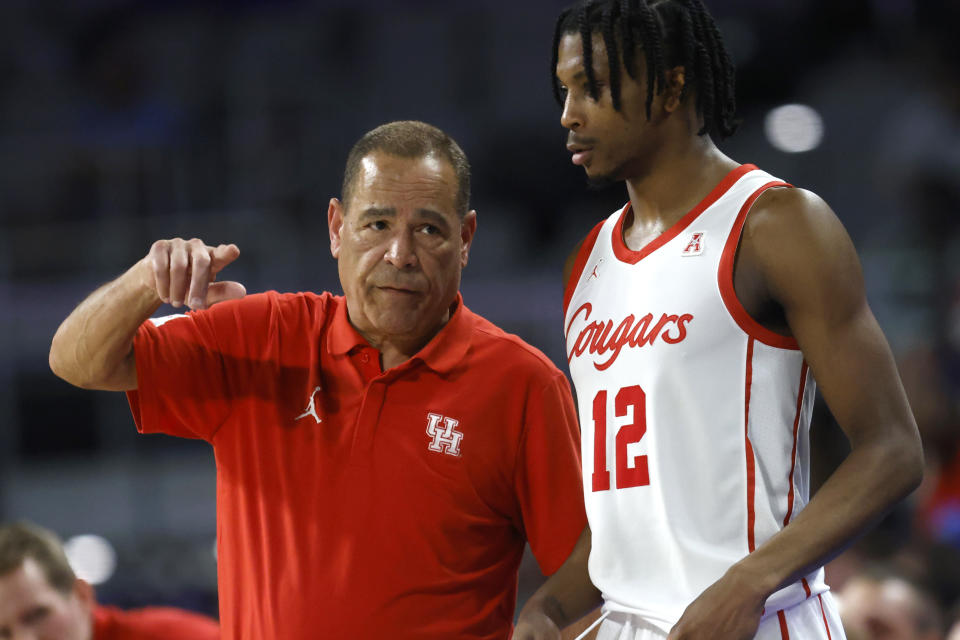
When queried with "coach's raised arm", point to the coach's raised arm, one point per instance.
{"points": [[93, 348]]}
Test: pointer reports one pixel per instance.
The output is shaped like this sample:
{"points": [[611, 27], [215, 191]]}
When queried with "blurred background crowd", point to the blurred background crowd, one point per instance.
{"points": [[125, 122]]}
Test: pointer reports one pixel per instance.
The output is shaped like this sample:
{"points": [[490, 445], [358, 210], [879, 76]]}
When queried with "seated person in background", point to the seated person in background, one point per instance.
{"points": [[42, 599], [879, 604]]}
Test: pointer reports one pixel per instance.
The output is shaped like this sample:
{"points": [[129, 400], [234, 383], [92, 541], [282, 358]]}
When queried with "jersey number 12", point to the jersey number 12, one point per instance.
{"points": [[639, 474]]}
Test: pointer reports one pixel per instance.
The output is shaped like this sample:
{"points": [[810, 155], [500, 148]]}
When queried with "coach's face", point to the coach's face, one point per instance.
{"points": [[32, 609], [400, 246]]}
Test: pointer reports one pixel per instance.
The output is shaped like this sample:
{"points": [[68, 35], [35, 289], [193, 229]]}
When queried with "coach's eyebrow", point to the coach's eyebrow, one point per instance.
{"points": [[378, 212], [435, 217]]}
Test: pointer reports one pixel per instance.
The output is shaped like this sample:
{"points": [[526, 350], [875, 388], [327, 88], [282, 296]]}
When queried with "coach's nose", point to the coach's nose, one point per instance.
{"points": [[401, 250]]}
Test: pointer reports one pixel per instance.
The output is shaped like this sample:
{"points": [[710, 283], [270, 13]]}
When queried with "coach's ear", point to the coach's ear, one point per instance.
{"points": [[335, 214], [468, 227]]}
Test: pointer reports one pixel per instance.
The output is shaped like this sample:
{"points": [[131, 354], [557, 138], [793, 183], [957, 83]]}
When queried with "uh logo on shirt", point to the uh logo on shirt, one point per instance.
{"points": [[598, 337], [444, 435]]}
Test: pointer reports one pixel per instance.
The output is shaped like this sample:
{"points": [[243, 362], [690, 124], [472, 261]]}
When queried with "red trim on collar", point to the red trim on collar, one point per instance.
{"points": [[628, 255]]}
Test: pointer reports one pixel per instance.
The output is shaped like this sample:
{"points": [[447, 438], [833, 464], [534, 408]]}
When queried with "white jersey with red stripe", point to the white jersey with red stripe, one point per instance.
{"points": [[694, 417]]}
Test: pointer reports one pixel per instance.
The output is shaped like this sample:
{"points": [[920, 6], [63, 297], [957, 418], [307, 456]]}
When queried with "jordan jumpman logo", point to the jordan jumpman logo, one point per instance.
{"points": [[311, 408]]}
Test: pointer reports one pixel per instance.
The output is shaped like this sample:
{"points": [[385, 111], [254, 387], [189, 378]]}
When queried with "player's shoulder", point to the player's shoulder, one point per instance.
{"points": [[786, 211], [512, 354], [792, 234]]}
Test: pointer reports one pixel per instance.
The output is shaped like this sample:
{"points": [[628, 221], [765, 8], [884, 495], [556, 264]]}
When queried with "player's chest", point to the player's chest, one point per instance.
{"points": [[656, 309]]}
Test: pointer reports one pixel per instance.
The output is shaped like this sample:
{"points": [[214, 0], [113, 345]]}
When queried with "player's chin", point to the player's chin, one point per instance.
{"points": [[598, 181]]}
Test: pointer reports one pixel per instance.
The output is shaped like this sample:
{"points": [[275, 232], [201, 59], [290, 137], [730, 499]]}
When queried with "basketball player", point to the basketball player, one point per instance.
{"points": [[697, 319], [374, 479], [42, 599]]}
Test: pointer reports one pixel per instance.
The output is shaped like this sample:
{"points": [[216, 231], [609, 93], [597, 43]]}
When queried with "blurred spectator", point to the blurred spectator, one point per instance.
{"points": [[41, 598], [878, 604]]}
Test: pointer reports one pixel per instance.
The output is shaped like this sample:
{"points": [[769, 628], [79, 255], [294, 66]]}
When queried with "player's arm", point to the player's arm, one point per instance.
{"points": [[565, 598], [93, 348], [806, 262]]}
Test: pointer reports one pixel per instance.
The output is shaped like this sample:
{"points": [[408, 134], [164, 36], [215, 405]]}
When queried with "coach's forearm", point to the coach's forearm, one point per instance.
{"points": [[567, 595], [93, 348]]}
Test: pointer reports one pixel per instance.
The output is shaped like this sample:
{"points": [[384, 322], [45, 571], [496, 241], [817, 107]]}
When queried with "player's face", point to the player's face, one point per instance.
{"points": [[401, 246], [30, 609], [609, 144]]}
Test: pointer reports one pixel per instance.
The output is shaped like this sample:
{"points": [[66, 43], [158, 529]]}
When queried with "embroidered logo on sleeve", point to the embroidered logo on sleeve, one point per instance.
{"points": [[444, 434], [695, 244], [311, 408]]}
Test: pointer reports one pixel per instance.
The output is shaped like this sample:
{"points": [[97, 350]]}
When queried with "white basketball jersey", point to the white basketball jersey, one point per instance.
{"points": [[694, 417]]}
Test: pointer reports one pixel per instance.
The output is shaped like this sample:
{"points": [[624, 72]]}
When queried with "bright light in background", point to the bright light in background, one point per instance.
{"points": [[794, 128], [91, 557]]}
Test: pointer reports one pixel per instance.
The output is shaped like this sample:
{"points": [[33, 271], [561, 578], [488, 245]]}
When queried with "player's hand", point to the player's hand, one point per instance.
{"points": [[730, 609], [535, 625], [184, 272]]}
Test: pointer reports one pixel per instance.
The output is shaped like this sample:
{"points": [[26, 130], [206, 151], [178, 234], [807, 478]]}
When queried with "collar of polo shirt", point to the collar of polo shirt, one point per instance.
{"points": [[444, 351]]}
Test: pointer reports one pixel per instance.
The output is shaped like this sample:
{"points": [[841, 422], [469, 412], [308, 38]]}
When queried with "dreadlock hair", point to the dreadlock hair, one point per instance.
{"points": [[669, 33]]}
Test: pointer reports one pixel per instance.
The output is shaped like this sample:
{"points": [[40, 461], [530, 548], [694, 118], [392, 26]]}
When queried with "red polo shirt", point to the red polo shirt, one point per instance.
{"points": [[359, 503], [153, 623]]}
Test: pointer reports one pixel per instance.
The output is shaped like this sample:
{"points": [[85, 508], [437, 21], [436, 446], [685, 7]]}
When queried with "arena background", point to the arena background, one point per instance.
{"points": [[125, 122]]}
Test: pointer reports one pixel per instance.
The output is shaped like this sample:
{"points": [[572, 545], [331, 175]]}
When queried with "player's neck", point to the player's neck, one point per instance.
{"points": [[680, 177]]}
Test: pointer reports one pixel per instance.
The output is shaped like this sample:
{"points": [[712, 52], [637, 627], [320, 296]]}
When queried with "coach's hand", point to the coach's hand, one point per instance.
{"points": [[730, 609], [184, 272], [535, 625]]}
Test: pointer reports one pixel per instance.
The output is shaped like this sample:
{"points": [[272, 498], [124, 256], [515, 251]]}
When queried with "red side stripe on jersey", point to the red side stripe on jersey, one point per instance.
{"points": [[784, 633], [793, 454], [628, 255], [725, 279], [806, 587], [824, 614], [751, 472], [579, 263]]}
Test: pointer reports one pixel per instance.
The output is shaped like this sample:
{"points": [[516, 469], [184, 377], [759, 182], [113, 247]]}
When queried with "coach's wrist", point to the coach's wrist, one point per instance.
{"points": [[539, 607]]}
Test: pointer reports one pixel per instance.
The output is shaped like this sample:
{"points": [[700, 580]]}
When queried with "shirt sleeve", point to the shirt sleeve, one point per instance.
{"points": [[547, 477], [190, 366]]}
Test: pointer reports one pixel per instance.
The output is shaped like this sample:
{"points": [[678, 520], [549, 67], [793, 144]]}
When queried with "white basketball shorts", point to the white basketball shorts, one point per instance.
{"points": [[816, 618]]}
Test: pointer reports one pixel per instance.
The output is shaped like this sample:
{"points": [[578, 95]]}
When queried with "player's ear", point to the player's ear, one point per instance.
{"points": [[676, 80], [468, 227], [335, 213]]}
